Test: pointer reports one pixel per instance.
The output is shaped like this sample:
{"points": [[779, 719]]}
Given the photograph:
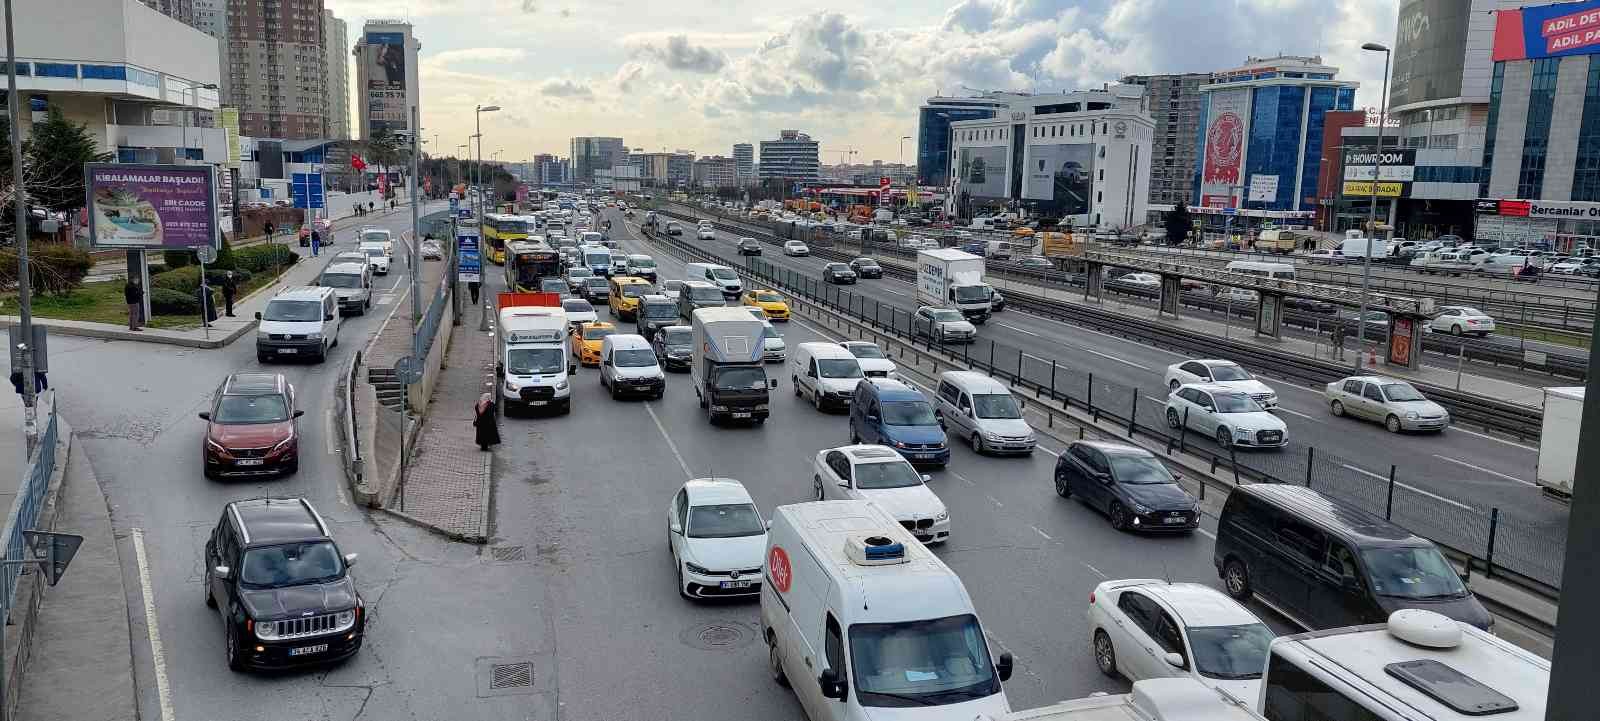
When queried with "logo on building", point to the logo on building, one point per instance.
{"points": [[1224, 145]]}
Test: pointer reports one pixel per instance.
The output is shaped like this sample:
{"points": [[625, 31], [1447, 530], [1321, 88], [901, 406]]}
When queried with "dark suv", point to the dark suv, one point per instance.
{"points": [[285, 591]]}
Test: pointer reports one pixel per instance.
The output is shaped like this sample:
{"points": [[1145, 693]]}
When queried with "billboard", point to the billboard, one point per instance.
{"points": [[1398, 165], [1223, 154], [384, 55], [1547, 31], [1429, 51], [228, 119], [151, 206], [982, 171], [1062, 174]]}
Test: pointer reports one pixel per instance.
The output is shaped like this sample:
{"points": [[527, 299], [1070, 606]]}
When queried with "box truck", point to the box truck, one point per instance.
{"points": [[949, 278], [531, 353], [1558, 441], [728, 367]]}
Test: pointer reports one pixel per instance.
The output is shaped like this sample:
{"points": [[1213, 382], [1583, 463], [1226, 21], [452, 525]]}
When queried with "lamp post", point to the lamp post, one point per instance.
{"points": [[30, 412], [182, 95], [1372, 210], [477, 116]]}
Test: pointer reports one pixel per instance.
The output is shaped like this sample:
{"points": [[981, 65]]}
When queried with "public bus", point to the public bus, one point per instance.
{"points": [[527, 263], [499, 229]]}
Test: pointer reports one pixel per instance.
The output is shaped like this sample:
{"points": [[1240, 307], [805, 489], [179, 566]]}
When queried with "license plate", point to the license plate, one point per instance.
{"points": [[308, 650], [1174, 520], [641, 388], [251, 461], [288, 351], [536, 403], [735, 584], [926, 455], [741, 415]]}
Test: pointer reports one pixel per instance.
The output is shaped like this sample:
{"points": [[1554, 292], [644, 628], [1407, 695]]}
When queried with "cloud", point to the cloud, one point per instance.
{"points": [[561, 88], [528, 6], [477, 55], [677, 53]]}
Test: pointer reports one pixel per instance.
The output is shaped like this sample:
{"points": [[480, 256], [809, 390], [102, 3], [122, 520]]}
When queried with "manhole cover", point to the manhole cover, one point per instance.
{"points": [[511, 675], [509, 553], [718, 636]]}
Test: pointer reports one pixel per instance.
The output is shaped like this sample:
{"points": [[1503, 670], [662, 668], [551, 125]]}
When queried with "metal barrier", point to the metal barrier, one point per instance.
{"points": [[428, 329], [24, 514]]}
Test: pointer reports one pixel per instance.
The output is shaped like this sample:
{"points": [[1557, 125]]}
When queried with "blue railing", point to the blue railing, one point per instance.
{"points": [[24, 515]]}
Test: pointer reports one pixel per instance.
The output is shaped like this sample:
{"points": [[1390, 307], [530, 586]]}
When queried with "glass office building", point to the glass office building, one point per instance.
{"points": [[933, 130]]}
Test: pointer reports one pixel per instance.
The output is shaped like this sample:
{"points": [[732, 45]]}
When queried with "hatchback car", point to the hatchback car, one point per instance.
{"points": [[1228, 415], [251, 429], [1149, 628], [705, 233], [1222, 373], [866, 268], [1128, 484], [576, 276], [795, 248], [587, 339], [838, 273], [772, 305], [878, 474], [749, 246], [579, 311], [717, 538], [1392, 402]]}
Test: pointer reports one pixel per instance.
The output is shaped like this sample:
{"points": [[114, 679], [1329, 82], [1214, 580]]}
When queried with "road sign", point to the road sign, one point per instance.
{"points": [[1230, 211], [1263, 188], [469, 257], [53, 551], [455, 204], [307, 190], [208, 254], [407, 370]]}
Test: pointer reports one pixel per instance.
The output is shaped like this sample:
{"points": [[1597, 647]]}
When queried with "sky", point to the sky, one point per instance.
{"points": [[702, 76]]}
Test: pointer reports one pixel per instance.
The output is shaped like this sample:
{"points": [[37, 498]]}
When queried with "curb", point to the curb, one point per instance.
{"points": [[111, 333], [486, 489], [452, 535]]}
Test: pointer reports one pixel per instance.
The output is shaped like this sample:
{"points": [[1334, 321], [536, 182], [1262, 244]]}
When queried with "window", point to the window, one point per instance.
{"points": [[1302, 541], [1370, 392], [1139, 609], [1352, 387], [23, 69], [833, 645], [1294, 695], [1495, 83], [1586, 176], [56, 70]]}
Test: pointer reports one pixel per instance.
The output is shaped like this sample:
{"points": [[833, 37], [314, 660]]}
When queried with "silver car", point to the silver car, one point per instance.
{"points": [[1392, 402]]}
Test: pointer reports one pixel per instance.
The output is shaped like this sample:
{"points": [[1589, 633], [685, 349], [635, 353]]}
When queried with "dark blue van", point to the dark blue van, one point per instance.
{"points": [[891, 413]]}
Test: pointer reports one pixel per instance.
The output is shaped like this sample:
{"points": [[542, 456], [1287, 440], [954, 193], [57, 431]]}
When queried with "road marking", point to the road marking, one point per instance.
{"points": [[158, 656], [1097, 571], [1306, 416], [1485, 470], [1459, 429], [1407, 486], [896, 292], [1206, 533], [1162, 401], [384, 299], [1019, 330], [670, 445], [1042, 533], [327, 417], [996, 502]]}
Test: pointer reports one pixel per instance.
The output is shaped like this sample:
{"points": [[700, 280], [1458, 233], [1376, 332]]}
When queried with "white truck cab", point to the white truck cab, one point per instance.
{"points": [[532, 356]]}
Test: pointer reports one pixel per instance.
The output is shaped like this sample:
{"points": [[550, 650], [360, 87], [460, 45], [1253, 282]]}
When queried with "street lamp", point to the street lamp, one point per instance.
{"points": [[477, 116], [182, 94], [903, 140], [1372, 209]]}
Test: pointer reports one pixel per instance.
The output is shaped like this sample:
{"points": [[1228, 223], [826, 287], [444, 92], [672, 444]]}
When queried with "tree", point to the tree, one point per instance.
{"points": [[57, 151], [1178, 224]]}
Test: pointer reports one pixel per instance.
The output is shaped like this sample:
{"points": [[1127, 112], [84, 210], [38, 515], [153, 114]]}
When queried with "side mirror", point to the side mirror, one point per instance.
{"points": [[572, 369], [328, 316], [833, 686], [221, 572], [1104, 477], [772, 383], [297, 414], [1174, 660], [350, 559], [926, 478], [1350, 583], [675, 527], [1005, 666], [258, 315], [205, 415]]}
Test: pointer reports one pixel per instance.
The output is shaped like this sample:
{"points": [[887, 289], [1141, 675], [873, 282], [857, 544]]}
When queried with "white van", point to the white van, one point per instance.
{"points": [[628, 367], [531, 359], [826, 373], [299, 321], [718, 275], [862, 621], [351, 282], [981, 410], [1275, 271]]}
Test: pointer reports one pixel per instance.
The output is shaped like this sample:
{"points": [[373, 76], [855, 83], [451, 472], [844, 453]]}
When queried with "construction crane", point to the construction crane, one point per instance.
{"points": [[843, 153]]}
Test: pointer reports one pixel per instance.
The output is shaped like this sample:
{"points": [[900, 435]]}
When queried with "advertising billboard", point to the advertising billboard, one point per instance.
{"points": [[385, 57], [151, 206], [1429, 51], [1398, 165], [1223, 154], [1547, 31], [1062, 174], [982, 171], [228, 120]]}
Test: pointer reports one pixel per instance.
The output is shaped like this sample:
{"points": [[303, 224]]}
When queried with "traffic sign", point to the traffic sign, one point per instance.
{"points": [[1230, 211], [53, 551], [207, 254], [407, 370], [307, 190], [469, 257]]}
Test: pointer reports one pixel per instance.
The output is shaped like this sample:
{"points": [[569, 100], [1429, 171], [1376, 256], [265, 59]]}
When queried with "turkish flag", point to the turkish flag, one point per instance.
{"points": [[357, 163]]}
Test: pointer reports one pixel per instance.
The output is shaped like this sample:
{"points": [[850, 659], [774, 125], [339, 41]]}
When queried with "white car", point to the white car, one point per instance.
{"points": [[671, 289], [1221, 373], [376, 257], [1149, 628], [370, 234], [879, 474], [1325, 255], [1144, 281], [1573, 266], [718, 539], [1230, 416], [578, 311], [431, 250], [1462, 320], [1395, 403], [874, 364], [795, 247], [705, 233], [773, 348]]}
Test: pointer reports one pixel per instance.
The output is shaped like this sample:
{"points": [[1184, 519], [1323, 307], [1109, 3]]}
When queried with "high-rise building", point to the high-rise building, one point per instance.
{"points": [[211, 18], [277, 77], [933, 129], [1174, 104], [793, 156], [715, 171], [548, 169], [180, 10], [386, 76], [680, 167], [593, 153], [336, 53], [744, 162]]}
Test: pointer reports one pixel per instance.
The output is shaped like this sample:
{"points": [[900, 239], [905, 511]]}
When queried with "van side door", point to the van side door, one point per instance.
{"points": [[1292, 567], [1342, 596]]}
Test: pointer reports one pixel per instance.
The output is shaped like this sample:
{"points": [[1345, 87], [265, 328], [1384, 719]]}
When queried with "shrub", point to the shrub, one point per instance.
{"points": [[165, 301], [182, 280], [225, 258], [176, 258], [258, 258], [55, 268]]}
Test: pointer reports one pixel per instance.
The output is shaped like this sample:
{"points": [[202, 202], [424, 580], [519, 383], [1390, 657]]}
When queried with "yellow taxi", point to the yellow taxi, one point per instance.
{"points": [[625, 293], [769, 302], [586, 340]]}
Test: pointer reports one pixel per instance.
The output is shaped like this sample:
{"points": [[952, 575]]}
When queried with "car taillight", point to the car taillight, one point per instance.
{"points": [[1091, 598]]}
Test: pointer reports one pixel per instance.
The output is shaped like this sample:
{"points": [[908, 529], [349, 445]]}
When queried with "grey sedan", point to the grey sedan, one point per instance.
{"points": [[1394, 403]]}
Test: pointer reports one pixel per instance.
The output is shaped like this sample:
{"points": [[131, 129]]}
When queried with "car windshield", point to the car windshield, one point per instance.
{"points": [[533, 361], [251, 409], [291, 564], [1229, 372], [553, 285], [864, 263], [579, 273], [704, 293], [678, 337], [995, 405], [660, 311], [892, 474], [576, 305], [838, 368], [341, 280], [1138, 470], [596, 258], [1401, 393], [723, 274], [597, 282], [740, 379], [768, 297], [909, 413], [864, 350], [597, 333], [377, 237], [1235, 403], [639, 262], [921, 663], [943, 315], [971, 293], [293, 310], [1417, 572], [725, 520], [634, 358], [1230, 652]]}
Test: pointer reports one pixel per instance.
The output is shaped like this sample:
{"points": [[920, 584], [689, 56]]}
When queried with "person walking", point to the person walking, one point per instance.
{"points": [[316, 242], [473, 287], [134, 295], [208, 305], [230, 288], [370, 206], [483, 419]]}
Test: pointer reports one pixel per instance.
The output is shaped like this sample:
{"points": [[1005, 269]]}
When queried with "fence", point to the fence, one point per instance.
{"points": [[29, 501]]}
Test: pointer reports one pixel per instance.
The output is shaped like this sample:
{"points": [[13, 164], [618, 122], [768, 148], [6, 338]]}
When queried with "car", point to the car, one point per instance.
{"points": [[587, 339], [1229, 415], [673, 228], [749, 246], [430, 249], [838, 274], [891, 412], [628, 366], [370, 234], [596, 289], [350, 256], [376, 257], [1376, 326], [983, 410], [554, 285], [943, 325], [671, 288], [1575, 266], [1223, 373], [299, 322], [717, 538], [873, 362], [1138, 282], [1150, 628], [1462, 320], [1127, 483], [705, 232], [575, 277], [997, 302], [1034, 262], [866, 268], [878, 474], [639, 265], [252, 427], [1390, 401], [274, 572], [1329, 256], [770, 302], [773, 347], [674, 347], [795, 248], [579, 311], [1309, 305]]}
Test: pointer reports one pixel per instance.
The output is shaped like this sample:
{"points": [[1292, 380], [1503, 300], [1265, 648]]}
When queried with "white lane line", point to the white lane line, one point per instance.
{"points": [[158, 656], [327, 417], [1306, 416], [1162, 401], [1459, 429], [1207, 534], [1019, 330], [1097, 571], [996, 502], [1407, 486], [1042, 533], [896, 292], [1481, 469], [670, 445]]}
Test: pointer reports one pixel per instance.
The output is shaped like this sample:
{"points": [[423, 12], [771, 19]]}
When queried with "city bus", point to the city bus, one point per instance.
{"points": [[499, 229], [529, 262]]}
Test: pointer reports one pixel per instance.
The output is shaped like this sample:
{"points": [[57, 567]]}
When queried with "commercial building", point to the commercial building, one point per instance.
{"points": [[548, 170], [386, 76], [336, 54], [592, 153], [793, 156], [1082, 157], [715, 171], [277, 73], [933, 129], [1173, 101], [625, 178], [1343, 131], [744, 162], [180, 10]]}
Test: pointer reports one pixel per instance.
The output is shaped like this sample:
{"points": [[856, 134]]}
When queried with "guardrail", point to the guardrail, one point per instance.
{"points": [[24, 513]]}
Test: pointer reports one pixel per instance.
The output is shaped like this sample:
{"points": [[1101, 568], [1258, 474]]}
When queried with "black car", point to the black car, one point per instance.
{"points": [[1308, 305], [674, 346], [283, 588], [749, 246], [838, 273], [655, 312], [596, 289], [866, 268], [1129, 484]]}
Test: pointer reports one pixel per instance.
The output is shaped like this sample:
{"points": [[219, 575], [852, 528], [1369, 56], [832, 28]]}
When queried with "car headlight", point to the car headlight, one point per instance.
{"points": [[1411, 415], [696, 568], [761, 406], [992, 436], [943, 516], [1140, 508], [266, 630], [1243, 432], [313, 336], [215, 446], [262, 335], [511, 387], [280, 445], [344, 618], [719, 408], [561, 386], [898, 444]]}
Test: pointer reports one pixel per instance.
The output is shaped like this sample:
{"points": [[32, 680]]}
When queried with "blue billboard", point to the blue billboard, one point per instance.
{"points": [[1547, 31]]}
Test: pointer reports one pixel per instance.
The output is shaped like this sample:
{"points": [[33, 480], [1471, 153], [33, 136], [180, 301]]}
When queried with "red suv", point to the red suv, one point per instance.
{"points": [[251, 428]]}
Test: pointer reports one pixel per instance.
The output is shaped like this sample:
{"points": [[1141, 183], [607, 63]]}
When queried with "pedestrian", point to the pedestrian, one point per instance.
{"points": [[316, 242], [1338, 340], [269, 228], [472, 287], [208, 305], [230, 288], [369, 206], [483, 419], [133, 294]]}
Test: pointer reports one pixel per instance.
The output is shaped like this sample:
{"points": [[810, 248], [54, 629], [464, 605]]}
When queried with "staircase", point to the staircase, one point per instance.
{"points": [[391, 394]]}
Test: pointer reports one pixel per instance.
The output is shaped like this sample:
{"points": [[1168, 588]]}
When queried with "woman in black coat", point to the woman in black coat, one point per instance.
{"points": [[483, 419]]}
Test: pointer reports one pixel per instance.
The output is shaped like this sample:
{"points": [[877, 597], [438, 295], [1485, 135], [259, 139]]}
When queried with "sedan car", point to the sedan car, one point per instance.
{"points": [[1575, 266], [555, 285], [579, 311], [1034, 262], [431, 250], [772, 305], [866, 268], [705, 233], [251, 427], [1137, 282], [717, 538], [1227, 414], [587, 339], [795, 248], [671, 288], [749, 246], [674, 346], [838, 274], [576, 276], [874, 364], [1326, 255], [1462, 320], [596, 289], [1222, 373], [1149, 628], [1392, 402], [879, 474], [1128, 484]]}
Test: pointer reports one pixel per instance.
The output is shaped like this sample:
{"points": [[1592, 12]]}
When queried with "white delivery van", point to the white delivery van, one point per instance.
{"points": [[864, 622], [1558, 441], [531, 358], [597, 259], [1155, 699], [718, 275], [825, 373], [298, 322]]}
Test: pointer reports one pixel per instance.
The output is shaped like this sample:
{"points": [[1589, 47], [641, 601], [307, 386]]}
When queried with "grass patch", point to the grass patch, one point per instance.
{"points": [[103, 303], [1511, 330]]}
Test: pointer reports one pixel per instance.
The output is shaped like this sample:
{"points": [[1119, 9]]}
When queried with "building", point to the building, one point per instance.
{"points": [[336, 92], [1082, 157], [793, 156], [933, 129], [181, 10], [386, 77], [625, 178], [744, 162], [548, 170], [715, 171], [592, 153], [211, 18], [1341, 128], [277, 77], [1174, 104], [680, 167]]}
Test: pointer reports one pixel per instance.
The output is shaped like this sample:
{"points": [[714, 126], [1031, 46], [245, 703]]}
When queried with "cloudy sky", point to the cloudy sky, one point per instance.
{"points": [[704, 75]]}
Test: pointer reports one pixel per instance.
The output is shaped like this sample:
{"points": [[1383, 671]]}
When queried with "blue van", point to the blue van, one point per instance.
{"points": [[893, 414]]}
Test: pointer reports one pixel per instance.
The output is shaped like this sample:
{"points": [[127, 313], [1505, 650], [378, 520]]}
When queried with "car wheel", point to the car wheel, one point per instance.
{"points": [[1224, 437], [816, 487], [1119, 517], [816, 400], [1236, 580], [1455, 330], [1172, 387], [1392, 423], [977, 444], [795, 383], [1062, 489], [1105, 655], [1172, 419], [211, 601], [775, 663], [230, 647]]}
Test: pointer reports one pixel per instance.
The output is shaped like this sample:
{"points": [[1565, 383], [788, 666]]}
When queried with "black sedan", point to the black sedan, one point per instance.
{"points": [[1309, 305], [1128, 484], [838, 273], [674, 346], [749, 246], [866, 268]]}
